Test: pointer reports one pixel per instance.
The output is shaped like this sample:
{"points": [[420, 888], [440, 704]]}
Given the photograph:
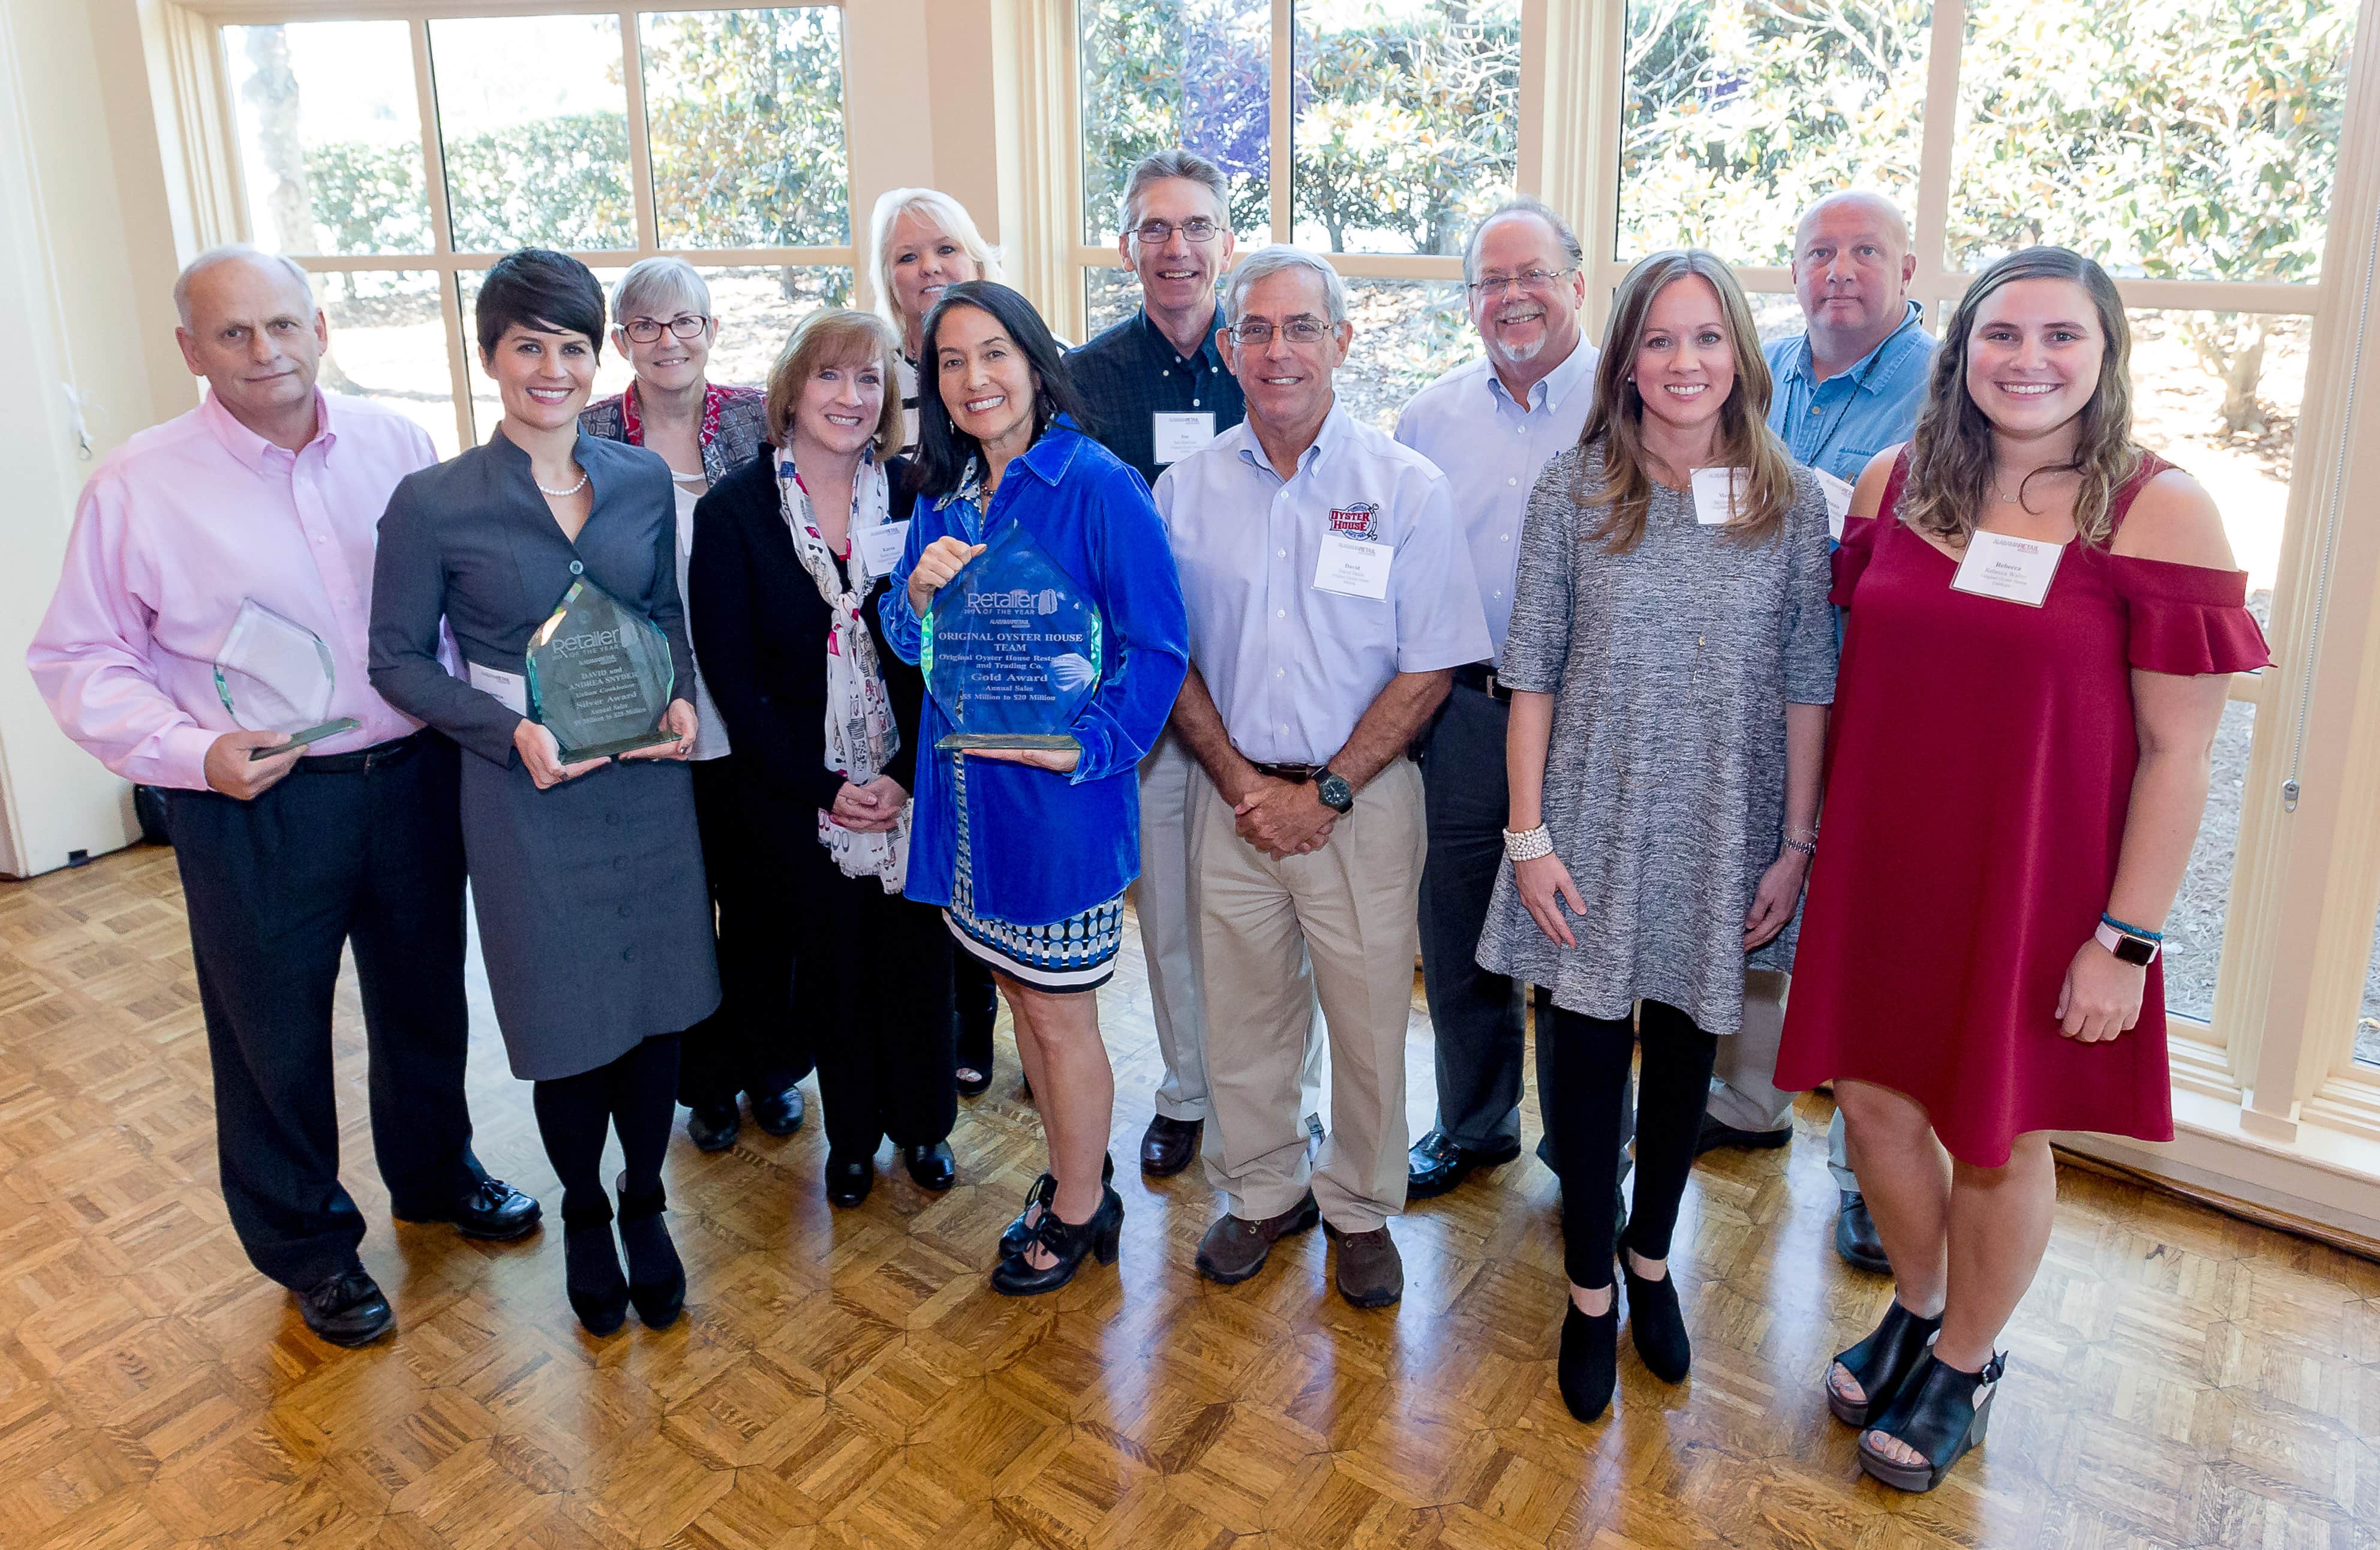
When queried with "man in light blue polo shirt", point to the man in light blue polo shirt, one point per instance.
{"points": [[1846, 389], [1330, 600]]}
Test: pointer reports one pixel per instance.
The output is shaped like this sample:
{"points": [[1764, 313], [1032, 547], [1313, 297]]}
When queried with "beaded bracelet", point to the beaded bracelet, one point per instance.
{"points": [[2143, 932], [1527, 844], [1807, 847]]}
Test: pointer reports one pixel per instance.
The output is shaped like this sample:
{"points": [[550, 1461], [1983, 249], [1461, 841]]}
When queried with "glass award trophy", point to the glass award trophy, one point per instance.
{"points": [[1013, 648], [273, 675], [599, 675]]}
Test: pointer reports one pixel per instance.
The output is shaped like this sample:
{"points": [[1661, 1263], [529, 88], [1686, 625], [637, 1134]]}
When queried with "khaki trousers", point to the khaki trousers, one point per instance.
{"points": [[1744, 1088], [1340, 924]]}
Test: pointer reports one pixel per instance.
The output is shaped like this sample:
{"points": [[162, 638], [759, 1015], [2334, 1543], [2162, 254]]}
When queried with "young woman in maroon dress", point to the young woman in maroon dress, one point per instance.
{"points": [[2021, 758]]}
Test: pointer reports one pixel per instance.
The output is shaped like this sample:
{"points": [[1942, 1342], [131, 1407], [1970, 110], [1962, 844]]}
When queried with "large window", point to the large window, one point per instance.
{"points": [[398, 159]]}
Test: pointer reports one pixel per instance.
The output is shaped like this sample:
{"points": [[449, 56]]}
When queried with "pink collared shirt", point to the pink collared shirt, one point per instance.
{"points": [[174, 528]]}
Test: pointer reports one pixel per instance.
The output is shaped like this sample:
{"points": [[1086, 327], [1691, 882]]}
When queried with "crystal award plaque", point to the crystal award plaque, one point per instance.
{"points": [[273, 675], [599, 675], [1013, 648]]}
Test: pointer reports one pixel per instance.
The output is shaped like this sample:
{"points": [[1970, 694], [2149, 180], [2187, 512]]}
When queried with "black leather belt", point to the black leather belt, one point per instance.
{"points": [[1297, 774], [1480, 676], [363, 761]]}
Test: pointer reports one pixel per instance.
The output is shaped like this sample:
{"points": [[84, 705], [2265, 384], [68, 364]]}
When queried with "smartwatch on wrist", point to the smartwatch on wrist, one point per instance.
{"points": [[1334, 790], [2139, 951]]}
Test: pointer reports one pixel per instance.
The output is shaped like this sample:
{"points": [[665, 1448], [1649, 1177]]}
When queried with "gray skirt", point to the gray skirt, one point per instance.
{"points": [[594, 916]]}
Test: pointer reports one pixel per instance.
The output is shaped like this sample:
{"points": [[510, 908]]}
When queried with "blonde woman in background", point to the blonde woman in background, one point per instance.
{"points": [[921, 242]]}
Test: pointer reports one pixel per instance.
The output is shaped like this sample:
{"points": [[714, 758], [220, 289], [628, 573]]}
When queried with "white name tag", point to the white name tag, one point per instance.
{"points": [[1351, 567], [880, 546], [1177, 436], [1839, 502], [510, 689], [2016, 570], [1719, 494]]}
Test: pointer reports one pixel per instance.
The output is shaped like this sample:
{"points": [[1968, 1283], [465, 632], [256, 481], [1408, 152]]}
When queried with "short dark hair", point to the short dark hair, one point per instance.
{"points": [[943, 448], [540, 289]]}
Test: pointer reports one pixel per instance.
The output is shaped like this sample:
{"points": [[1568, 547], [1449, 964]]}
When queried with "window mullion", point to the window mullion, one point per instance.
{"points": [[640, 158], [442, 232], [1284, 74], [1931, 239]]}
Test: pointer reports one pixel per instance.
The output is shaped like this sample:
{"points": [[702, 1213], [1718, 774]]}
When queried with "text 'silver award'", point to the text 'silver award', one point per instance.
{"points": [[1013, 648], [599, 675], [273, 675]]}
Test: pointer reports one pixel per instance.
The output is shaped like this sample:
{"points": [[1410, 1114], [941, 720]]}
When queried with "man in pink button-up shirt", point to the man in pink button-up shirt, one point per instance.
{"points": [[271, 492]]}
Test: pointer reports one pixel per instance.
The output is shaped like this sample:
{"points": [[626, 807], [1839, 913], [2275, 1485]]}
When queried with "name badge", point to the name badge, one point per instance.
{"points": [[1719, 494], [1353, 567], [509, 689], [2014, 570], [880, 546], [1177, 436], [1839, 502]]}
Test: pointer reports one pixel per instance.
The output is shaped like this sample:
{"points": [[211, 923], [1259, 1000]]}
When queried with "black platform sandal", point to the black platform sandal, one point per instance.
{"points": [[1068, 1244], [1019, 1231], [1881, 1363], [1937, 1414]]}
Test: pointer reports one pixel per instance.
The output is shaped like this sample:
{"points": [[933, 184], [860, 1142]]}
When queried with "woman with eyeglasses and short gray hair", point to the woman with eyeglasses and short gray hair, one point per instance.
{"points": [[661, 321]]}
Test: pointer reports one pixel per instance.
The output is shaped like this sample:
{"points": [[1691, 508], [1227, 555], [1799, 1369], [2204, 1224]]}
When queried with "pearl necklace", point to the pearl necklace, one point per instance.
{"points": [[562, 494]]}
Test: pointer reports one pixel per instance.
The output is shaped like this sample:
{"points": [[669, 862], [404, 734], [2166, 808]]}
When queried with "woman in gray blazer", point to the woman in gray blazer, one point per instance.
{"points": [[587, 877]]}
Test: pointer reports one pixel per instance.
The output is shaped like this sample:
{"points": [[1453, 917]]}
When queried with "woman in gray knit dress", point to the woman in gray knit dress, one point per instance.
{"points": [[1671, 658]]}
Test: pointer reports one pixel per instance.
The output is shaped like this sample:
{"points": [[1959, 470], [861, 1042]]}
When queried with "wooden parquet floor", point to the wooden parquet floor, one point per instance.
{"points": [[848, 1379]]}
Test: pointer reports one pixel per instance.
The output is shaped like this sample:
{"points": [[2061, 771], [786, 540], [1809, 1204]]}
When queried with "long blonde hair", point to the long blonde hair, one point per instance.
{"points": [[1617, 420], [1950, 454], [948, 215]]}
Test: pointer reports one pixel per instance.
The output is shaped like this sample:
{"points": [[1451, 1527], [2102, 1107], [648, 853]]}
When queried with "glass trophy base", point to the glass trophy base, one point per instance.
{"points": [[327, 731], [1055, 741], [618, 745]]}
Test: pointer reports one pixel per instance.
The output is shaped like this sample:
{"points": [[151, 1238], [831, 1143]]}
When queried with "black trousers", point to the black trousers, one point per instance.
{"points": [[976, 1003], [1583, 1065], [753, 1043], [274, 887]]}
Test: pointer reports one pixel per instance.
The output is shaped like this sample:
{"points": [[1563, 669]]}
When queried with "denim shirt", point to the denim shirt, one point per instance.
{"points": [[1043, 846], [1836, 426]]}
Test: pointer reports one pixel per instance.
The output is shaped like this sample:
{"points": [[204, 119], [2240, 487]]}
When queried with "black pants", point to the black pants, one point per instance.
{"points": [[274, 887], [574, 1113], [976, 1003], [1583, 1063], [876, 971], [753, 1043]]}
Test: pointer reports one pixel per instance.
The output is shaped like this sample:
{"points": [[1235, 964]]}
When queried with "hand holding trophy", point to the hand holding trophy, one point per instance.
{"points": [[1013, 652]]}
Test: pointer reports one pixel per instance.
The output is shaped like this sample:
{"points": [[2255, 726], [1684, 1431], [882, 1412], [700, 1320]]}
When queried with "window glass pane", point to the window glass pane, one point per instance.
{"points": [[744, 115], [1408, 118], [1408, 333], [2193, 929], [388, 344], [612, 373], [330, 137], [534, 116], [2218, 393], [2166, 138], [1739, 114], [1158, 74], [2367, 1020], [1110, 296], [757, 308]]}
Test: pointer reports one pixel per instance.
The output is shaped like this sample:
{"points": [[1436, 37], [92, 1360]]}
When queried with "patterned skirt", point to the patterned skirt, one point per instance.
{"points": [[1076, 954]]}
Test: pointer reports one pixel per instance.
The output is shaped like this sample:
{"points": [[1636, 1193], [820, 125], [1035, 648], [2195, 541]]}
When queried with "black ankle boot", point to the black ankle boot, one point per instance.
{"points": [[1590, 1358], [1657, 1324], [656, 1277], [590, 1268]]}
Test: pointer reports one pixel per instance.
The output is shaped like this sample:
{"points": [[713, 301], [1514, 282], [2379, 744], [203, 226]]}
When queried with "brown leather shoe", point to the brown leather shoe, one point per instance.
{"points": [[1167, 1147], [1236, 1248], [1371, 1273]]}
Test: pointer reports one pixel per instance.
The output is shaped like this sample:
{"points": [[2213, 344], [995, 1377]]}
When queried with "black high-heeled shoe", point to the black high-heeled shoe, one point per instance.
{"points": [[1019, 1231], [1068, 1243], [1657, 1324], [656, 1276], [1936, 1413], [1881, 1363], [590, 1275], [1589, 1367]]}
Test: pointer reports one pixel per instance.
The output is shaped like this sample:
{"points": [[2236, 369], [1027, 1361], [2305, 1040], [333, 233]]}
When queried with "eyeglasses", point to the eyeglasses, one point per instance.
{"points": [[685, 325], [1536, 281], [1198, 229], [1297, 331]]}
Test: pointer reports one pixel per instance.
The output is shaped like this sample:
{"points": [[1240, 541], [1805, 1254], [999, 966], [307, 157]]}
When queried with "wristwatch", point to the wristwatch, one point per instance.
{"points": [[1334, 790], [2127, 949]]}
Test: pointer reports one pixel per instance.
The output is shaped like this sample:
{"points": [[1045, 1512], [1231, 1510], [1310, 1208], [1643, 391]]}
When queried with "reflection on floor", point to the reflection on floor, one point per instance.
{"points": [[848, 1379]]}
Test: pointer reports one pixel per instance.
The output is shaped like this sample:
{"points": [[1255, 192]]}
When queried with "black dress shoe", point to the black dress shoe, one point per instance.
{"points": [[1019, 1232], [1715, 1135], [777, 1113], [1068, 1244], [346, 1309], [494, 1210], [1436, 1164], [1167, 1147], [932, 1165], [591, 1278], [1588, 1366], [848, 1179], [1855, 1237], [712, 1126], [656, 1276]]}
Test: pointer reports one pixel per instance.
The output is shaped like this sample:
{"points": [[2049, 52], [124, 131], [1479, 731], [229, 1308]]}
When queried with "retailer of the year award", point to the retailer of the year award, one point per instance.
{"points": [[274, 676], [600, 675], [1013, 650]]}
